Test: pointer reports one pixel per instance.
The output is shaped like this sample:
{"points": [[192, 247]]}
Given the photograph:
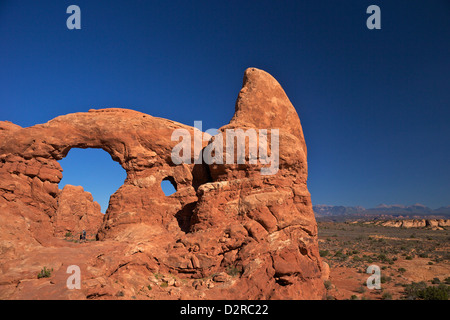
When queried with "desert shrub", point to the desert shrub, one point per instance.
{"points": [[324, 253], [447, 280], [401, 270], [412, 290], [367, 258], [440, 292], [234, 271], [338, 254], [354, 297], [45, 273], [361, 289], [385, 279], [420, 290], [157, 276], [386, 296], [408, 258], [344, 257], [327, 284], [382, 257], [68, 234], [435, 281]]}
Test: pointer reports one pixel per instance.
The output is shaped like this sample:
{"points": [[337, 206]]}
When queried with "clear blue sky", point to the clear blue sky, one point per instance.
{"points": [[374, 104]]}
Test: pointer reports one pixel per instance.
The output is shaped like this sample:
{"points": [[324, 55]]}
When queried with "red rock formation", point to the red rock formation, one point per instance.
{"points": [[267, 223], [435, 224], [77, 211], [257, 231]]}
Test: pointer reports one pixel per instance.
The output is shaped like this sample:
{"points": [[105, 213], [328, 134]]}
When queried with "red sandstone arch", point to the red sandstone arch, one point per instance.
{"points": [[264, 224]]}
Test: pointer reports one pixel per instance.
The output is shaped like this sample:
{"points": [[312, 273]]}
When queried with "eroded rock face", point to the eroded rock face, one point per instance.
{"points": [[257, 231], [77, 211]]}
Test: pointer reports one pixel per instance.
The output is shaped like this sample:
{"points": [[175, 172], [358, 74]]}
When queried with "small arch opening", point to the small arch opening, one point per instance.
{"points": [[168, 186]]}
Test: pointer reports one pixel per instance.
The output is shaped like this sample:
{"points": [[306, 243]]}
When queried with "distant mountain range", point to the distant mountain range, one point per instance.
{"points": [[322, 210]]}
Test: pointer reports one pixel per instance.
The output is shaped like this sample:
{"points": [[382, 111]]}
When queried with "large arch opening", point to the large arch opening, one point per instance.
{"points": [[95, 171]]}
